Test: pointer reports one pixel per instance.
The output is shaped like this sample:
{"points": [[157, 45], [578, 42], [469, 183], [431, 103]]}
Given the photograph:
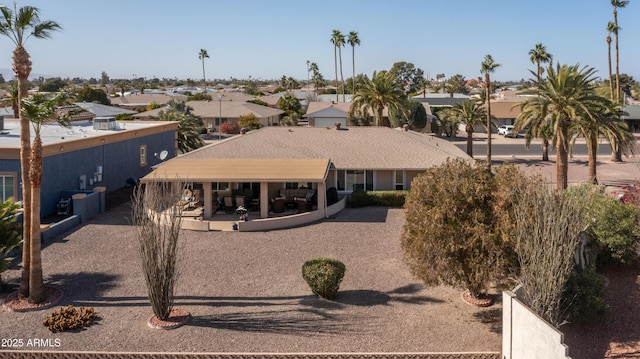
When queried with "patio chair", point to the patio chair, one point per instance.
{"points": [[228, 204], [185, 200], [278, 205], [240, 201], [195, 199]]}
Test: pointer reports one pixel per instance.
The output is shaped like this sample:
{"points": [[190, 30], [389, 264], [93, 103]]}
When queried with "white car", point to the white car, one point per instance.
{"points": [[507, 131]]}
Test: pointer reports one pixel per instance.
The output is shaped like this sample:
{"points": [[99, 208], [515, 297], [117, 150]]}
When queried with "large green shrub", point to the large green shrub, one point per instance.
{"points": [[324, 276], [584, 297], [612, 224]]}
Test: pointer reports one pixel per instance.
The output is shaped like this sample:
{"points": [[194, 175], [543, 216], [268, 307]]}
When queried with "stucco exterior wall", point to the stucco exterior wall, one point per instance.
{"points": [[409, 176], [527, 336]]}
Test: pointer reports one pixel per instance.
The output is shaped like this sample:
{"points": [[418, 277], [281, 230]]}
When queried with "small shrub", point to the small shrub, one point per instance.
{"points": [[203, 130], [323, 276], [583, 297], [70, 318], [377, 198], [230, 128]]}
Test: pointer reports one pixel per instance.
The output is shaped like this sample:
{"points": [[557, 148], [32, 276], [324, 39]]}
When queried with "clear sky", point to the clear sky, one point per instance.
{"points": [[267, 39]]}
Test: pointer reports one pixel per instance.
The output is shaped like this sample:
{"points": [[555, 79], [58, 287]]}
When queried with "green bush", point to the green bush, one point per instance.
{"points": [[614, 225], [377, 198], [583, 297], [323, 276], [70, 318], [203, 130]]}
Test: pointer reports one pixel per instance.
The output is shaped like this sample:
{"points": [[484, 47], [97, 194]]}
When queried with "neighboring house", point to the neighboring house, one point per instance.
{"points": [[327, 114], [101, 110], [139, 102], [632, 117], [82, 157], [274, 158], [441, 99], [213, 113]]}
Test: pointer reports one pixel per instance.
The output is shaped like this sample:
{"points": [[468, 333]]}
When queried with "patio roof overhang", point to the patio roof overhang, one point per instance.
{"points": [[240, 170]]}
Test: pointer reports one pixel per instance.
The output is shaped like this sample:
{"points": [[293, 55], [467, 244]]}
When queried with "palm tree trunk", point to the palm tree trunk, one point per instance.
{"points": [[335, 60], [615, 20], [488, 89], [353, 69], [36, 285], [204, 77], [470, 140], [562, 159], [592, 152], [341, 75], [22, 69], [610, 73], [545, 149]]}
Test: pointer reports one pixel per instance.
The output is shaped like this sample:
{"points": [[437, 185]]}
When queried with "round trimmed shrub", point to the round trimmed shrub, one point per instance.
{"points": [[323, 275]]}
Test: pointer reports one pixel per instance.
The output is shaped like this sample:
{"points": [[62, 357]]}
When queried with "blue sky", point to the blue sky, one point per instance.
{"points": [[268, 39]]}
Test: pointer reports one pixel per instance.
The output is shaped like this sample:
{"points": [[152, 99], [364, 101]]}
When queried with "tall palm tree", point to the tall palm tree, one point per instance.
{"points": [[313, 67], [469, 113], [380, 91], [439, 77], [486, 68], [188, 136], [353, 40], [336, 37], [39, 111], [338, 41], [567, 94], [203, 55], [617, 4], [606, 122], [611, 28], [539, 55], [19, 25]]}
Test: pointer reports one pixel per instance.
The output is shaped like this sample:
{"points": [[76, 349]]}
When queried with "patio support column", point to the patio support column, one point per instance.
{"points": [[322, 197], [264, 199], [206, 187]]}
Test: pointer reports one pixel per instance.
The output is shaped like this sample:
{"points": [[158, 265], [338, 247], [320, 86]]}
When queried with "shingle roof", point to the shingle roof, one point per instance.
{"points": [[212, 109], [350, 148], [102, 110]]}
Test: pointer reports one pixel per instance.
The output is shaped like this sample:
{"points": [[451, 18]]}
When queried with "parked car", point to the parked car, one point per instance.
{"points": [[507, 131]]}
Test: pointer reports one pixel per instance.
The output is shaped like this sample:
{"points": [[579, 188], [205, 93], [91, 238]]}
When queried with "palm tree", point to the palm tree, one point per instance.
{"points": [[487, 67], [566, 95], [382, 90], [18, 25], [337, 39], [313, 67], [39, 111], [539, 55], [606, 122], [203, 55], [611, 28], [353, 40], [188, 134], [617, 4], [469, 113], [438, 77]]}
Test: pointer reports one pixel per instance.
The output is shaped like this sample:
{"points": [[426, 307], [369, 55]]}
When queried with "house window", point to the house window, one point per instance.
{"points": [[291, 185], [7, 187], [399, 180], [355, 180], [220, 186], [143, 155]]}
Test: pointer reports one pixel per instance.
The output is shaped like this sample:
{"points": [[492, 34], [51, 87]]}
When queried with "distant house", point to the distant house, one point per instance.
{"points": [[101, 110], [139, 102], [85, 156], [213, 113], [327, 114], [632, 117]]}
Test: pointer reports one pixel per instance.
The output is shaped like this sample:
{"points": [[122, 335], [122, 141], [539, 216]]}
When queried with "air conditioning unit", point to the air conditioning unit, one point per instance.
{"points": [[104, 123]]}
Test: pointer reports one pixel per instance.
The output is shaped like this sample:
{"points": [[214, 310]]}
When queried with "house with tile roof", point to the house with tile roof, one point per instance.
{"points": [[214, 113], [271, 159]]}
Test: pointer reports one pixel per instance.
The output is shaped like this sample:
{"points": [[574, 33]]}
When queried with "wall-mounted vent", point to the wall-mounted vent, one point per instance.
{"points": [[104, 123]]}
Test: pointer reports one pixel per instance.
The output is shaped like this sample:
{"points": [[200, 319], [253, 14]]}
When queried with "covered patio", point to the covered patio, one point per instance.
{"points": [[268, 177]]}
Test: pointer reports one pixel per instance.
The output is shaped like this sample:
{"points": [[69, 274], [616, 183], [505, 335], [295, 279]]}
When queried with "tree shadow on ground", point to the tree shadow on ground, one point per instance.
{"points": [[492, 318], [83, 286]]}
